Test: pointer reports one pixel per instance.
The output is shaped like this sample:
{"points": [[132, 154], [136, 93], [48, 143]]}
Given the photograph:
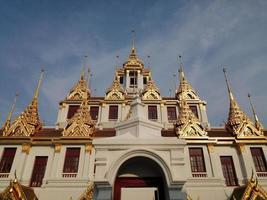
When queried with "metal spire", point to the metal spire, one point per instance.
{"points": [[228, 85], [36, 94], [8, 120], [181, 69], [253, 110]]}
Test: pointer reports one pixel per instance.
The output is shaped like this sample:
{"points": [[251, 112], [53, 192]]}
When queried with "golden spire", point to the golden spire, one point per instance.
{"points": [[81, 124], [238, 122], [187, 124], [257, 122], [80, 90], [28, 122], [6, 125], [115, 91], [151, 91], [184, 87], [133, 62]]}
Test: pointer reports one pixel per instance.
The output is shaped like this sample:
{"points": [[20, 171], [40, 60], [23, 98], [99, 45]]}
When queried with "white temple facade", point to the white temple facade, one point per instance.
{"points": [[133, 143]]}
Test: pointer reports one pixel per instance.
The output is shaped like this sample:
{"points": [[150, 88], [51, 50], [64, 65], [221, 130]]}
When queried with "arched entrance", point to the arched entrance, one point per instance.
{"points": [[140, 178]]}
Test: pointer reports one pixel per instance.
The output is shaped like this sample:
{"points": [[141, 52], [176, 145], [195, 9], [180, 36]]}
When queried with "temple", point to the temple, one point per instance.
{"points": [[133, 143]]}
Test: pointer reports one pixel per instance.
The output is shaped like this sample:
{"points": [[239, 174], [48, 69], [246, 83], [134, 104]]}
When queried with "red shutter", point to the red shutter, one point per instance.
{"points": [[171, 113], [94, 112], [258, 159], [38, 171], [71, 163], [113, 112], [228, 170], [72, 110], [152, 112], [197, 160], [7, 160]]}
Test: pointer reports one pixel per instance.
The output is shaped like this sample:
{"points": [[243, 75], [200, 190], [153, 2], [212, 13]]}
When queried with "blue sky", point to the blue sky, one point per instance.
{"points": [[208, 34]]}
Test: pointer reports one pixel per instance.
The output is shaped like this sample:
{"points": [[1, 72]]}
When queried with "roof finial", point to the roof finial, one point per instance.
{"points": [[8, 120], [228, 85], [133, 39], [36, 94], [257, 122], [181, 69]]}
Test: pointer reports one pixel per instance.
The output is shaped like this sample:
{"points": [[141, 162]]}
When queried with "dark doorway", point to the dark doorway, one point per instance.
{"points": [[140, 172]]}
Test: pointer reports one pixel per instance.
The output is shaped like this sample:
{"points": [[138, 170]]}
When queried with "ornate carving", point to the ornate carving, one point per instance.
{"points": [[89, 193], [252, 191], [238, 122], [80, 90], [241, 148], [133, 61], [211, 148], [187, 124], [28, 122], [26, 147], [58, 148], [151, 92], [115, 92], [88, 148], [81, 124], [6, 125]]}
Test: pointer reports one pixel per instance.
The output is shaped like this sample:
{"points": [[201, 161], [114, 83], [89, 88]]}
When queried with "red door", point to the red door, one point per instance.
{"points": [[138, 182]]}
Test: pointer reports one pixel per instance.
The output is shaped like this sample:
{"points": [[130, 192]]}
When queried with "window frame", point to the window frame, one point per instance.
{"points": [[197, 160], [259, 159], [171, 118], [69, 161], [38, 173], [152, 112], [194, 109], [230, 176], [72, 110], [7, 159], [113, 115], [94, 114]]}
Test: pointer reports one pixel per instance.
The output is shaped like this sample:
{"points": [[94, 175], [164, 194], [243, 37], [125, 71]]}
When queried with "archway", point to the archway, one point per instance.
{"points": [[140, 178]]}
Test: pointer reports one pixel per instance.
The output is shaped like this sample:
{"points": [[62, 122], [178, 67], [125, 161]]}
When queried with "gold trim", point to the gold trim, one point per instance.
{"points": [[88, 148], [26, 147], [211, 148], [58, 147]]}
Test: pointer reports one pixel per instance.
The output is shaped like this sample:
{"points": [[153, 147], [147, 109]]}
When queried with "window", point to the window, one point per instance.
{"points": [[121, 79], [228, 170], [72, 110], [152, 112], [71, 160], [94, 112], [38, 171], [7, 160], [113, 112], [145, 80], [171, 111], [197, 160], [258, 159], [133, 79], [194, 110]]}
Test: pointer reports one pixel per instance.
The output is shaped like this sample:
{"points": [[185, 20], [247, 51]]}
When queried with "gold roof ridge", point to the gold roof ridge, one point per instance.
{"points": [[238, 122], [28, 122], [184, 90], [187, 124], [80, 89], [81, 124]]}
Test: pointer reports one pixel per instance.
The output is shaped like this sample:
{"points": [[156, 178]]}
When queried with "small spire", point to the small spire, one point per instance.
{"points": [[36, 94], [257, 122], [133, 51], [181, 69], [8, 120], [228, 85], [133, 39]]}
